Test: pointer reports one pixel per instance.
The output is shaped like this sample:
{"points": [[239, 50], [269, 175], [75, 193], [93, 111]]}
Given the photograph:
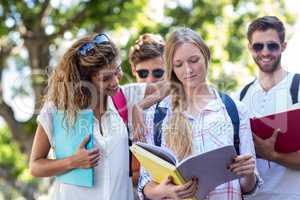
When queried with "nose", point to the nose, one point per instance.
{"points": [[150, 79], [115, 80], [265, 51], [188, 68]]}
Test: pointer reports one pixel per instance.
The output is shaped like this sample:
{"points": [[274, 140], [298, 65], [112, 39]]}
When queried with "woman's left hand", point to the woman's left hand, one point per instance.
{"points": [[243, 165]]}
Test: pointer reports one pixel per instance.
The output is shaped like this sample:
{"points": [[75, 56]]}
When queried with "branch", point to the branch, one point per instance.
{"points": [[69, 23], [44, 7], [18, 130]]}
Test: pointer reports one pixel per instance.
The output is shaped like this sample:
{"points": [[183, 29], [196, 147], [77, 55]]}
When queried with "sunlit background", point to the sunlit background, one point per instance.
{"points": [[230, 68]]}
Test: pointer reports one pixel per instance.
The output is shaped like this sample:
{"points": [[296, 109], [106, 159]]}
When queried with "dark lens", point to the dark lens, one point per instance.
{"points": [[158, 73], [86, 49], [101, 38], [257, 47], [143, 73], [273, 46]]}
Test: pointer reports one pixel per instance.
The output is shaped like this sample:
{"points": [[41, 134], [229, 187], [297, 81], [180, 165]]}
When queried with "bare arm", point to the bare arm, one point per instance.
{"points": [[41, 166], [289, 160], [154, 93], [266, 149]]}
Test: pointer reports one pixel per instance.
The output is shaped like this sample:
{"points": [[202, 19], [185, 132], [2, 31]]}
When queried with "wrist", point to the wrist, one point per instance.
{"points": [[274, 156], [70, 163]]}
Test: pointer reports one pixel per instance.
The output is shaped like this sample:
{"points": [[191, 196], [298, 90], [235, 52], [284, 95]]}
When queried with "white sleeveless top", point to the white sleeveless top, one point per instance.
{"points": [[112, 181]]}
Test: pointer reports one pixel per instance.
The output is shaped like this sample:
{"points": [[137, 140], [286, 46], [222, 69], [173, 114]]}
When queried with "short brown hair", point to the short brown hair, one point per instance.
{"points": [[148, 46], [265, 23]]}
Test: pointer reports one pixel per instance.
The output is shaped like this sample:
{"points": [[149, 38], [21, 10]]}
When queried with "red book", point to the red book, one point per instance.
{"points": [[288, 122]]}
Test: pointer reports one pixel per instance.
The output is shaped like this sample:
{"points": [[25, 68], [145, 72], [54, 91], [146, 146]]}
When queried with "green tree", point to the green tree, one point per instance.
{"points": [[223, 25], [37, 26]]}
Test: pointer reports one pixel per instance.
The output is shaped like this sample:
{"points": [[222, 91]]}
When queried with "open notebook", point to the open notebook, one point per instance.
{"points": [[210, 168]]}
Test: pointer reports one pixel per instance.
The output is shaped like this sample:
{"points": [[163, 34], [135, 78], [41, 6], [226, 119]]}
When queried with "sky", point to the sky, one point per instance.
{"points": [[289, 61]]}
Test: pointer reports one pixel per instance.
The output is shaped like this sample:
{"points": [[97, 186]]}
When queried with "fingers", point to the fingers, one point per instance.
{"points": [[139, 134], [243, 165], [190, 191], [85, 141]]}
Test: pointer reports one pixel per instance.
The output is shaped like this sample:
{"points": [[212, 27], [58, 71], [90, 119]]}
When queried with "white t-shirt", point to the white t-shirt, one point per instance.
{"points": [[111, 176], [279, 182]]}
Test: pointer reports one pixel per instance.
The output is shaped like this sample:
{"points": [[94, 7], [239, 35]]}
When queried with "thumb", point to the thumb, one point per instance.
{"points": [[84, 142], [167, 180], [275, 133]]}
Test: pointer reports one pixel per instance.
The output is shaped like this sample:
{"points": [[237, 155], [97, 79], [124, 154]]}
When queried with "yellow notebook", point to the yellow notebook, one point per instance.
{"points": [[210, 168], [158, 168]]}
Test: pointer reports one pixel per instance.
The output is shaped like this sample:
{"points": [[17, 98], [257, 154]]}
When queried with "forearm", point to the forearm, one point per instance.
{"points": [[154, 93], [45, 167], [289, 160], [248, 183]]}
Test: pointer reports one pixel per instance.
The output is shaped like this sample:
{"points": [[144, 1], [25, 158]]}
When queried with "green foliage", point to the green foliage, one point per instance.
{"points": [[11, 158], [223, 25]]}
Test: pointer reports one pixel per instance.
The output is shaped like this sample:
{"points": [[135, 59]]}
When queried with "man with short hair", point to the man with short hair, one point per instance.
{"points": [[146, 58], [274, 90]]}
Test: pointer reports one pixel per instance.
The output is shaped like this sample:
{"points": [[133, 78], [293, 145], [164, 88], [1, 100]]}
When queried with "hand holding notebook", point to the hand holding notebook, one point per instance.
{"points": [[288, 139], [210, 168]]}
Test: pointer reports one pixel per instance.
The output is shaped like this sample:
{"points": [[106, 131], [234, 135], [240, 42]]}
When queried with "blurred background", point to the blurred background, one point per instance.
{"points": [[35, 33]]}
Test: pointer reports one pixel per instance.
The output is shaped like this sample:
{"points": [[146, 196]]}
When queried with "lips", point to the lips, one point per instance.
{"points": [[266, 60], [190, 77]]}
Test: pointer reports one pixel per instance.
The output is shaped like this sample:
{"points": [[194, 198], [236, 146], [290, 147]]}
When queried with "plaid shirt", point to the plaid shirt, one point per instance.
{"points": [[212, 129]]}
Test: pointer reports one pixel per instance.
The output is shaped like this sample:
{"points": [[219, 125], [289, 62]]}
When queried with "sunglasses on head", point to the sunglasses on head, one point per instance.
{"points": [[271, 46], [87, 48], [156, 73]]}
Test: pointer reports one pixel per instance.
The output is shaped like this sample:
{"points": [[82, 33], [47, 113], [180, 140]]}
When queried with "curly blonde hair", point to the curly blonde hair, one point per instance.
{"points": [[178, 133], [69, 86]]}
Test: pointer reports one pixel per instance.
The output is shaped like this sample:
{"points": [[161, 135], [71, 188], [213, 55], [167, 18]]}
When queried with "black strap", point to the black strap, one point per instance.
{"points": [[294, 89], [234, 116], [159, 115], [245, 89]]}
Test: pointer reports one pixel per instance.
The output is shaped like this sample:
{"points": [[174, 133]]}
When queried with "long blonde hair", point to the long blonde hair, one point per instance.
{"points": [[69, 85], [178, 133]]}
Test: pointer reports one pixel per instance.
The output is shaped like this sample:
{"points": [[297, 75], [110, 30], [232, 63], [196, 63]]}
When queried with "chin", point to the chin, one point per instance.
{"points": [[111, 92]]}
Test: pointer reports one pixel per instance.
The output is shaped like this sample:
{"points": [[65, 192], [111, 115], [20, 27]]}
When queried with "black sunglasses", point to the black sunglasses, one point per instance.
{"points": [[87, 48], [271, 46], [156, 73]]}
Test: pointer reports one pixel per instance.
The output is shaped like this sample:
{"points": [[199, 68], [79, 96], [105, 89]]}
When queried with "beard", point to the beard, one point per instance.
{"points": [[270, 68]]}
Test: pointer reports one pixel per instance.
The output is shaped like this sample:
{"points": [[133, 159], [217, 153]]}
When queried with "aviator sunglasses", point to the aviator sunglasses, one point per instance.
{"points": [[156, 73], [87, 48], [271, 46]]}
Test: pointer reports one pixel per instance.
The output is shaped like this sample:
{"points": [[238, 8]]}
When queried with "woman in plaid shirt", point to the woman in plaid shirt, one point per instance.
{"points": [[197, 122]]}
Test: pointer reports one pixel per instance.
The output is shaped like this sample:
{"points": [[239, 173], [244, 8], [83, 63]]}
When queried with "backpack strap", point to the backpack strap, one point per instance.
{"points": [[234, 116], [119, 101], [245, 89], [159, 115], [294, 89]]}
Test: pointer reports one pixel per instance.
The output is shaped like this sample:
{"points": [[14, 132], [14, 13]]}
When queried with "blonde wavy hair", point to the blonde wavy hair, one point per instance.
{"points": [[178, 132], [69, 85]]}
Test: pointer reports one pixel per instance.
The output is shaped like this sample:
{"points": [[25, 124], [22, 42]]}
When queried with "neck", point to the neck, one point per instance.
{"points": [[197, 98], [100, 107], [269, 80]]}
